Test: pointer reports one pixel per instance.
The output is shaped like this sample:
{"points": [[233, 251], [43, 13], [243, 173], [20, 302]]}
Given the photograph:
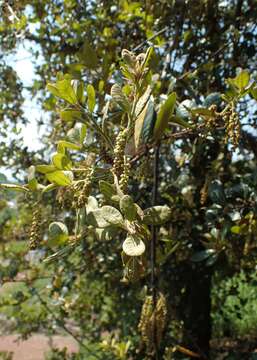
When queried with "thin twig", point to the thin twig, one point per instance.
{"points": [[153, 250], [150, 38], [179, 135], [213, 55]]}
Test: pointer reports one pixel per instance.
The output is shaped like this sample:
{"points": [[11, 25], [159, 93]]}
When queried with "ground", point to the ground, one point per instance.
{"points": [[35, 347]]}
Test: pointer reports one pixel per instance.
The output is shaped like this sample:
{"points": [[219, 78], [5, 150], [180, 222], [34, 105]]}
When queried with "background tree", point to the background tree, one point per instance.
{"points": [[198, 45]]}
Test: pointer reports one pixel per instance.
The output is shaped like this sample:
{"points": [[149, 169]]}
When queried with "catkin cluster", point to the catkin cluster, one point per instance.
{"points": [[124, 178], [135, 65], [121, 165], [77, 194], [65, 196], [82, 189], [204, 192], [211, 122], [35, 229], [118, 162], [86, 189], [153, 321], [232, 124]]}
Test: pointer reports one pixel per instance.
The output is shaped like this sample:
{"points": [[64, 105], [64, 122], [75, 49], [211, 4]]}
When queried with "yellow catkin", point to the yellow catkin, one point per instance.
{"points": [[211, 122], [118, 162], [124, 178], [64, 197], [232, 124], [144, 325], [35, 229], [204, 192], [86, 189], [153, 319], [161, 317]]}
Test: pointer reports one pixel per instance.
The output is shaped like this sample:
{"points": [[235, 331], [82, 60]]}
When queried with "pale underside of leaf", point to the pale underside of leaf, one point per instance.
{"points": [[133, 247]]}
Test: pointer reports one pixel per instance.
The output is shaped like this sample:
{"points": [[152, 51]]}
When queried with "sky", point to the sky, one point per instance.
{"points": [[23, 65]]}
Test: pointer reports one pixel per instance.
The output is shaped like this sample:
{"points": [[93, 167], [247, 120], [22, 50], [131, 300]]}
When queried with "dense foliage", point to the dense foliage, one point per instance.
{"points": [[146, 187]]}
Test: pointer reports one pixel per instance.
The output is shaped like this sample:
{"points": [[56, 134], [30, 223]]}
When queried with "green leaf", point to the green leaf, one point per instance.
{"points": [[61, 178], [90, 97], [57, 228], [64, 90], [148, 55], [179, 121], [78, 87], [164, 115], [202, 112], [128, 208], [143, 100], [62, 145], [112, 215], [70, 115], [133, 247], [144, 124], [44, 169], [157, 215], [184, 109], [92, 204], [61, 161], [212, 99], [78, 133], [88, 55], [119, 98], [241, 80], [149, 123], [107, 189], [96, 219], [60, 254], [58, 233], [32, 181], [235, 229], [202, 255]]}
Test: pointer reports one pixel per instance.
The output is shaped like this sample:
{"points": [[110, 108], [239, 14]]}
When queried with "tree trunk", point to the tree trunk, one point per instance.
{"points": [[197, 317]]}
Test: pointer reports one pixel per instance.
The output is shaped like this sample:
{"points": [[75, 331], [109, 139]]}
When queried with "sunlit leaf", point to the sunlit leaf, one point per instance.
{"points": [[164, 115], [241, 80], [61, 161], [90, 97], [44, 169], [70, 115], [62, 145], [64, 90], [112, 215], [58, 233], [61, 178], [128, 207], [32, 181], [133, 247]]}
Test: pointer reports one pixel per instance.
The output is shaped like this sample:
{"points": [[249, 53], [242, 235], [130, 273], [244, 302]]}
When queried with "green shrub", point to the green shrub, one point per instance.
{"points": [[234, 303]]}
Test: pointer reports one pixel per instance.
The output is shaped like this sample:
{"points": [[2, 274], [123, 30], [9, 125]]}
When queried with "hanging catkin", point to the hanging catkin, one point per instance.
{"points": [[149, 316], [35, 229]]}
